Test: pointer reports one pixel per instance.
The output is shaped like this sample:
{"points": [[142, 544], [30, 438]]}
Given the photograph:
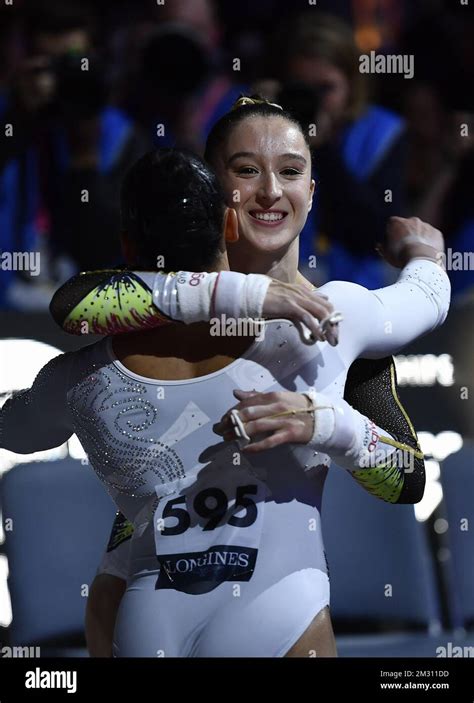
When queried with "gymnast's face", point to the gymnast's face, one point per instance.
{"points": [[265, 170]]}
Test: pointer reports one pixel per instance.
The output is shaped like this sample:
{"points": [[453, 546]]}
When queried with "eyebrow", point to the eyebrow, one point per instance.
{"points": [[247, 154]]}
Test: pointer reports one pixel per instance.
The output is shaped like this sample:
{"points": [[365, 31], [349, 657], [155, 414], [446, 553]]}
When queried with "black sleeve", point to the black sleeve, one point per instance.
{"points": [[371, 388], [39, 418], [122, 530]]}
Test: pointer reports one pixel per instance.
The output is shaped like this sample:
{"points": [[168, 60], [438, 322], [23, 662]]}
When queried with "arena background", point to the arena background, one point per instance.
{"points": [[435, 373]]}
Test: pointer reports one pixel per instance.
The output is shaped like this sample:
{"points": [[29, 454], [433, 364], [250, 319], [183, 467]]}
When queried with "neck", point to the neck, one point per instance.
{"points": [[222, 263], [280, 265]]}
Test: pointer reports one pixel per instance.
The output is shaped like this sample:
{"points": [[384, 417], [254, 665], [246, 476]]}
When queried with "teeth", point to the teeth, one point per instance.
{"points": [[269, 216]]}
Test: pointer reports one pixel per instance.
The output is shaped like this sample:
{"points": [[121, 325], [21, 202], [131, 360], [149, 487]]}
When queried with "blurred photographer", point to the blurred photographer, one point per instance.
{"points": [[174, 80], [358, 148], [60, 171], [52, 30]]}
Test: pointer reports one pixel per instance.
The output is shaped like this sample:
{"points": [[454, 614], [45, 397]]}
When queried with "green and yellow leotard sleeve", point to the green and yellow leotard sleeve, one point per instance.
{"points": [[106, 302]]}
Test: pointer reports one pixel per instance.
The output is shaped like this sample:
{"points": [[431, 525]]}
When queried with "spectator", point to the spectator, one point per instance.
{"points": [[62, 169], [359, 148]]}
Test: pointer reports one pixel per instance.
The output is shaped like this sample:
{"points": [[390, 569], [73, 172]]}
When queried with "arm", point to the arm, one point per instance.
{"points": [[105, 595], [114, 302], [376, 322], [371, 388], [39, 418], [331, 426], [382, 321], [107, 589]]}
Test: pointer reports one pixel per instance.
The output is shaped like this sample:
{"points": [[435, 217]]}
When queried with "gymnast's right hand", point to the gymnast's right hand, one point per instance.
{"points": [[408, 238], [298, 303]]}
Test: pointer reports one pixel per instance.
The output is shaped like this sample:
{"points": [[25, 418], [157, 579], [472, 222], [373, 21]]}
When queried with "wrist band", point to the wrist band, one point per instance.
{"points": [[324, 422], [195, 297], [239, 427]]}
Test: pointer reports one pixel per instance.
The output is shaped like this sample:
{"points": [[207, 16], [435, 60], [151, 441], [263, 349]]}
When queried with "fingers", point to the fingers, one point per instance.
{"points": [[330, 328], [255, 398], [255, 412], [296, 302], [312, 309], [280, 296], [316, 304], [267, 417], [410, 237], [312, 324], [400, 227], [282, 437], [242, 395], [326, 330], [282, 429], [272, 424], [255, 406]]}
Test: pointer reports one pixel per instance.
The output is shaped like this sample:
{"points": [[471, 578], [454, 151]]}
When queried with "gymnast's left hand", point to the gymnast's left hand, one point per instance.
{"points": [[257, 412]]}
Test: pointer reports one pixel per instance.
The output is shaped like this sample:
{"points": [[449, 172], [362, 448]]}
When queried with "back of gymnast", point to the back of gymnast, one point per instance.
{"points": [[209, 518]]}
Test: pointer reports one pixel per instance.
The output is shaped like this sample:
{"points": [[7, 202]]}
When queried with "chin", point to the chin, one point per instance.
{"points": [[271, 242]]}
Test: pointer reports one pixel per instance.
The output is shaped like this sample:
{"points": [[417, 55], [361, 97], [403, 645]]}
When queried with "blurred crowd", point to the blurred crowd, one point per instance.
{"points": [[86, 89]]}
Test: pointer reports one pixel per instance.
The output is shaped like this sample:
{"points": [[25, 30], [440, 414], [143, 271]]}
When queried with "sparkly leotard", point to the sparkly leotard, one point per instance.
{"points": [[227, 557]]}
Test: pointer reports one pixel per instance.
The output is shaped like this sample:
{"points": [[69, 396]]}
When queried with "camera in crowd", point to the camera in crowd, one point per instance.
{"points": [[302, 101], [80, 91], [175, 62]]}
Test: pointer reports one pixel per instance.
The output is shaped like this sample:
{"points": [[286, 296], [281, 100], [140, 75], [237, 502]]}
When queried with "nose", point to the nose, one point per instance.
{"points": [[270, 190]]}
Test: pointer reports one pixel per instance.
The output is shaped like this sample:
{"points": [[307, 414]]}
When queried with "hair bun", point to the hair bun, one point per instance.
{"points": [[252, 100]]}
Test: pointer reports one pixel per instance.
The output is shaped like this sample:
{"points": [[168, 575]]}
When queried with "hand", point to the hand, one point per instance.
{"points": [[298, 303], [408, 238], [256, 411]]}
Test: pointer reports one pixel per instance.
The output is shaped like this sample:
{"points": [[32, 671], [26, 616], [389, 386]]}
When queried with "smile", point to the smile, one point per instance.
{"points": [[268, 217]]}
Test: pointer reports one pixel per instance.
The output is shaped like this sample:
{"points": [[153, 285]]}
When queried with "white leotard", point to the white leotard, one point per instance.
{"points": [[227, 555]]}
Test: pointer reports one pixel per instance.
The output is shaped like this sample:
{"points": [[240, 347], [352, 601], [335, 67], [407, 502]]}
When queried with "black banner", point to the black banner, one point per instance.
{"points": [[127, 679]]}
